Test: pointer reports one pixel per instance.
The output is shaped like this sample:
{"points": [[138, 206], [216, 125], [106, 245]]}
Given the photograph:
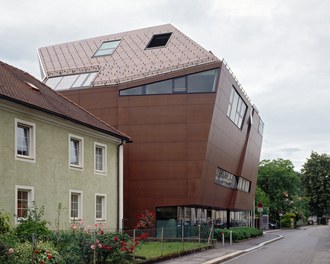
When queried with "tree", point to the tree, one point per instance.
{"points": [[280, 182], [262, 197], [316, 182]]}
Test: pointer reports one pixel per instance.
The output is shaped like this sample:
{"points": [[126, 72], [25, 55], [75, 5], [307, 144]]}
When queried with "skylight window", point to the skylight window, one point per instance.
{"points": [[107, 48], [71, 81], [159, 40]]}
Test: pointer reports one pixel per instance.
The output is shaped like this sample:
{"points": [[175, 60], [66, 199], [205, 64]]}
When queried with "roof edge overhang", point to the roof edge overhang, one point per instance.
{"points": [[119, 136]]}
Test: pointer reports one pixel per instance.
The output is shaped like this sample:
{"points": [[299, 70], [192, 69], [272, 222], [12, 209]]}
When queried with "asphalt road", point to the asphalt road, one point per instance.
{"points": [[303, 246]]}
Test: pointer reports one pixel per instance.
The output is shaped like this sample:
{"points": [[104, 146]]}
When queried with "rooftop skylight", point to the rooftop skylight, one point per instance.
{"points": [[159, 40], [71, 81], [107, 48]]}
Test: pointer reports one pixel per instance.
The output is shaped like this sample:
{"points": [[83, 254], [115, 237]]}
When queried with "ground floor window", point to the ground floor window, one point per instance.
{"points": [[75, 205], [188, 215], [24, 197], [100, 207]]}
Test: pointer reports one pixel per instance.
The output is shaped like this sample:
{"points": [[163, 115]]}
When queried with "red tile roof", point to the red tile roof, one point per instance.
{"points": [[130, 61], [20, 87]]}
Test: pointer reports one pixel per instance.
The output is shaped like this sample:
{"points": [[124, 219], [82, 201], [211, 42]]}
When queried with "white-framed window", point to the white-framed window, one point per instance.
{"points": [[76, 205], [236, 108], [24, 196], [100, 207], [100, 158], [25, 141], [76, 151]]}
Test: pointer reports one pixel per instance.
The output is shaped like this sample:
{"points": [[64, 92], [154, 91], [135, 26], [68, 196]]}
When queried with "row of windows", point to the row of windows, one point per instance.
{"points": [[237, 110], [71, 81], [25, 195], [26, 142], [202, 82], [229, 180]]}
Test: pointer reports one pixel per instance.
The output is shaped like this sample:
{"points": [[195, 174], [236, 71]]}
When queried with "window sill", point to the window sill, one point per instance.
{"points": [[77, 167], [25, 158], [100, 172]]}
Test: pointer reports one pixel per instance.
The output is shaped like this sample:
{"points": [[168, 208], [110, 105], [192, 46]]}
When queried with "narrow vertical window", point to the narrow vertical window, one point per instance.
{"points": [[76, 151], [75, 205], [100, 207], [25, 140], [236, 108], [100, 154], [24, 197]]}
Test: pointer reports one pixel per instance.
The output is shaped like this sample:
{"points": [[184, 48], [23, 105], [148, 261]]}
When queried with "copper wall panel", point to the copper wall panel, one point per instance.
{"points": [[179, 141]]}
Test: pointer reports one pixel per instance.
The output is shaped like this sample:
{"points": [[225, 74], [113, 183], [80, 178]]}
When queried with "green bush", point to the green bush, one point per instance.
{"points": [[81, 246], [238, 233], [32, 227], [286, 219], [4, 222], [44, 252]]}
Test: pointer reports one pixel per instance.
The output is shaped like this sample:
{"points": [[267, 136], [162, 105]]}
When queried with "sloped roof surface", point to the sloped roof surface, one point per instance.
{"points": [[19, 86], [130, 61]]}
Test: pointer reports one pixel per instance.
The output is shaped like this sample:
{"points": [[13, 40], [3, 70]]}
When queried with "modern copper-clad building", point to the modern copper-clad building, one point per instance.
{"points": [[196, 135]]}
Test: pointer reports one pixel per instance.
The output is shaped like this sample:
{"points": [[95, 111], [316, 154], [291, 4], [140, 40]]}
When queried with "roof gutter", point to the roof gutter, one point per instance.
{"points": [[120, 186]]}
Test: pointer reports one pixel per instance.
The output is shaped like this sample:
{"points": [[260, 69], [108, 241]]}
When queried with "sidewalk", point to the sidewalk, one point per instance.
{"points": [[220, 254]]}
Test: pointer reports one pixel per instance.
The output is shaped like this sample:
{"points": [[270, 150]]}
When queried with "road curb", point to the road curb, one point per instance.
{"points": [[240, 252]]}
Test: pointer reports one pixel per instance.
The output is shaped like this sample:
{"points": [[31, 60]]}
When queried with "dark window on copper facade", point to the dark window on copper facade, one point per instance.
{"points": [[236, 108], [229, 180], [225, 178], [159, 40], [201, 82]]}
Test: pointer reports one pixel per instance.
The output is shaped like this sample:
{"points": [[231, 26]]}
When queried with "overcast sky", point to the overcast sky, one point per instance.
{"points": [[278, 50]]}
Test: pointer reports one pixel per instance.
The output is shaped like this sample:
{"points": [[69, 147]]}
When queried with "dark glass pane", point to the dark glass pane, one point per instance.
{"points": [[132, 91], [180, 85], [164, 87], [202, 82], [159, 40]]}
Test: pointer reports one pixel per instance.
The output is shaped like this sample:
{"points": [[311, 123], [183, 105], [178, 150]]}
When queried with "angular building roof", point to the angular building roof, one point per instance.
{"points": [[20, 87], [125, 57]]}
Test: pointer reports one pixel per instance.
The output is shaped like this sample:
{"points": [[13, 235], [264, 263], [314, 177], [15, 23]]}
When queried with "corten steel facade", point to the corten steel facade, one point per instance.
{"points": [[196, 136]]}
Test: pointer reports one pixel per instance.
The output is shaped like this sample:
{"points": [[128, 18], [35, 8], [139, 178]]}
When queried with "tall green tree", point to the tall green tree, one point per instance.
{"points": [[316, 182], [280, 182]]}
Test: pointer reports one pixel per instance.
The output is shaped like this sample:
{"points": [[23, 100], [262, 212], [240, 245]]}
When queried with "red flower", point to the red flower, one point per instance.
{"points": [[123, 243], [50, 256], [108, 248], [144, 236], [116, 239], [123, 248]]}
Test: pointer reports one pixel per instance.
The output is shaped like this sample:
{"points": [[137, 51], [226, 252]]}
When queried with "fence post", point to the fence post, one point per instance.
{"points": [[210, 235], [230, 237], [134, 243], [199, 235], [223, 239], [161, 242], [182, 236], [33, 247], [94, 261]]}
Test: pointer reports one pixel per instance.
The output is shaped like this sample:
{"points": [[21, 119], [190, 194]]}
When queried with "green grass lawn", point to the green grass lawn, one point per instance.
{"points": [[150, 250]]}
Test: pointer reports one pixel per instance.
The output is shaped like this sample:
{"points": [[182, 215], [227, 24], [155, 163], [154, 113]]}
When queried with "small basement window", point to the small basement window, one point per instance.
{"points": [[159, 40]]}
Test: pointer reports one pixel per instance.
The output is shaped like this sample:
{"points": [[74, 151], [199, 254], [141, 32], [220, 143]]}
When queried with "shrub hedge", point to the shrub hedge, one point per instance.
{"points": [[238, 233]]}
